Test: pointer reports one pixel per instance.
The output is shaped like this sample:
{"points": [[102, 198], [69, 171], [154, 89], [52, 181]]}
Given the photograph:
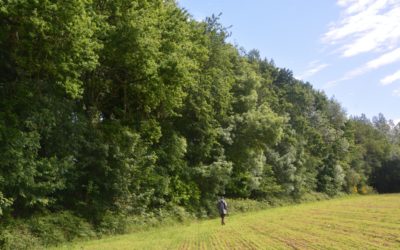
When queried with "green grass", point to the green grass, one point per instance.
{"points": [[360, 222]]}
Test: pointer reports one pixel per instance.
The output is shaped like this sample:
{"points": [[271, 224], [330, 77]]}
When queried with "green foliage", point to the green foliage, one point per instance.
{"points": [[45, 42], [118, 175], [117, 223], [4, 203], [54, 228], [18, 237], [44, 230], [29, 181], [246, 205]]}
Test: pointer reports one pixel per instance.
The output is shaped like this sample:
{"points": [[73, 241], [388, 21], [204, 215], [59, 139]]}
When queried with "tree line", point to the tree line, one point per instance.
{"points": [[128, 106]]}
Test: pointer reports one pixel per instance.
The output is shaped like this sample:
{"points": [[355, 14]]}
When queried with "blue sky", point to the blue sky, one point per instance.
{"points": [[348, 48]]}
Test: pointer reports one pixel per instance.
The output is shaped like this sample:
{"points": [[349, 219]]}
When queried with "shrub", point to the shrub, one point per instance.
{"points": [[314, 196], [18, 237], [113, 223], [365, 189], [246, 205], [53, 228]]}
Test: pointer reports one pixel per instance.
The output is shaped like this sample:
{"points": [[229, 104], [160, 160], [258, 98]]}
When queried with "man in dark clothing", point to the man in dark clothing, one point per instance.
{"points": [[222, 209]]}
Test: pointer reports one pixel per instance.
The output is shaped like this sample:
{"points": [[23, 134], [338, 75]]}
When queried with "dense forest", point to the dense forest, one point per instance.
{"points": [[130, 106]]}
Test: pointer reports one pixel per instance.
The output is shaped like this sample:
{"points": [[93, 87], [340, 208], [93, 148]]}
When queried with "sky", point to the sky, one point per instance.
{"points": [[350, 49]]}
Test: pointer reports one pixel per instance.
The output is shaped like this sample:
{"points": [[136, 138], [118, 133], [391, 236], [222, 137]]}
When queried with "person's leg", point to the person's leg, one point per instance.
{"points": [[222, 219]]}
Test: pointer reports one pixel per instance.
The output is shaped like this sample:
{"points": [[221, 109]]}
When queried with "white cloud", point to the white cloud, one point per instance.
{"points": [[331, 84], [365, 26], [313, 68], [391, 78], [396, 92], [383, 60]]}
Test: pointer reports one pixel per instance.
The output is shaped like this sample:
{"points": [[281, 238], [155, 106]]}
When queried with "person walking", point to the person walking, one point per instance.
{"points": [[222, 209]]}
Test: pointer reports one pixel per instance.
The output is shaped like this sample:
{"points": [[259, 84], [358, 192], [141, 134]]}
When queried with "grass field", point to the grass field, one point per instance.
{"points": [[361, 222]]}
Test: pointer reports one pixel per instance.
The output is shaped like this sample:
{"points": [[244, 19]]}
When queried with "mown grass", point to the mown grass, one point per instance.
{"points": [[361, 222]]}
